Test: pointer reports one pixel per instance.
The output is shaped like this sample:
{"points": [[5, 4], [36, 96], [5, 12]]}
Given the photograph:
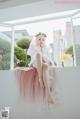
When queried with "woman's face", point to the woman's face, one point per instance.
{"points": [[40, 41]]}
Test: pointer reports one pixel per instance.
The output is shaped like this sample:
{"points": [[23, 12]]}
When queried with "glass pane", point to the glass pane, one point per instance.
{"points": [[5, 47], [63, 52], [22, 39], [76, 27], [59, 39]]}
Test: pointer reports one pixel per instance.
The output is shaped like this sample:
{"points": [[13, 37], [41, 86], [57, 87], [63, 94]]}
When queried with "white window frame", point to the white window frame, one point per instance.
{"points": [[37, 20]]}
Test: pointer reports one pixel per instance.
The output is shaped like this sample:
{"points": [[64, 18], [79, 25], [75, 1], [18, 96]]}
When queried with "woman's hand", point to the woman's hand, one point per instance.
{"points": [[41, 83]]}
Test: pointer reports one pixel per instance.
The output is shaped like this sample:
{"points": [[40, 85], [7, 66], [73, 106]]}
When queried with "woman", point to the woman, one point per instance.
{"points": [[41, 60]]}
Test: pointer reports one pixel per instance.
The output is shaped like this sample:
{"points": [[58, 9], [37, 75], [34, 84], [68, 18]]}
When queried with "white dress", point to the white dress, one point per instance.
{"points": [[45, 53]]}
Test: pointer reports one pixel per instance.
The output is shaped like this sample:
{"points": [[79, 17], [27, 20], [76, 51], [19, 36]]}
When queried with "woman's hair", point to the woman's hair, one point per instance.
{"points": [[40, 33]]}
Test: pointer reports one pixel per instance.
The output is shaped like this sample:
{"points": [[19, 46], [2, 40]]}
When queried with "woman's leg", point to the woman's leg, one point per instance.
{"points": [[42, 69], [39, 68], [46, 83]]}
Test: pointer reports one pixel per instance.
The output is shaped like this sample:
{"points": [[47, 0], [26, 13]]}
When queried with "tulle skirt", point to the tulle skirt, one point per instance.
{"points": [[29, 86]]}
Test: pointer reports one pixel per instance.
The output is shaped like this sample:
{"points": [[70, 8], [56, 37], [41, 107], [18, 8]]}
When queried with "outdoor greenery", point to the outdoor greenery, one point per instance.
{"points": [[4, 54], [23, 43], [70, 51], [21, 59]]}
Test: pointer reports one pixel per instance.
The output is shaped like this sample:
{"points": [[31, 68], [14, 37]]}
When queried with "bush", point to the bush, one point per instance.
{"points": [[5, 45], [23, 43], [70, 51], [4, 54], [20, 57], [20, 54]]}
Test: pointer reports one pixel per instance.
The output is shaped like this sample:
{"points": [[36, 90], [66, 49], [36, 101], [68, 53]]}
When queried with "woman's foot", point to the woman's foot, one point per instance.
{"points": [[50, 100]]}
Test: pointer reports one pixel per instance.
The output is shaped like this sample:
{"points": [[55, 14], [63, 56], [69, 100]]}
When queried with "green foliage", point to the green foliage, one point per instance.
{"points": [[21, 58], [77, 49], [5, 45], [23, 43], [5, 65], [4, 54], [69, 50], [20, 54]]}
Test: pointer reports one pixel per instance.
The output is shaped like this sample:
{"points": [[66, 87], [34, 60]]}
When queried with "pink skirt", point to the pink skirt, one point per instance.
{"points": [[29, 86]]}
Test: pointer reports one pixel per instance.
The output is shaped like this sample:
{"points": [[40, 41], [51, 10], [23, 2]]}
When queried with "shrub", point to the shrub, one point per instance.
{"points": [[77, 49], [23, 43], [20, 53], [5, 48], [20, 57], [69, 50]]}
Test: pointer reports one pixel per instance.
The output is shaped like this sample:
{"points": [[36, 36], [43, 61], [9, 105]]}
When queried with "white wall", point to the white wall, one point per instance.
{"points": [[67, 97], [34, 9]]}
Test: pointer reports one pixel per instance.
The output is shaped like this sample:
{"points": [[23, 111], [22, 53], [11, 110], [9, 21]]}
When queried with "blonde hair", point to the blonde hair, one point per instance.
{"points": [[40, 34]]}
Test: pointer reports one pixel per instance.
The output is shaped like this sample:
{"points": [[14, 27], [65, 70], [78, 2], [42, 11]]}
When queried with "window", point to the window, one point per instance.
{"points": [[62, 31], [76, 34], [5, 47]]}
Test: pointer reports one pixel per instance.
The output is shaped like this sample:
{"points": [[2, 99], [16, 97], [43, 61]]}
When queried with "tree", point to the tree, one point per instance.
{"points": [[20, 53], [69, 50], [77, 50], [23, 43], [5, 48]]}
